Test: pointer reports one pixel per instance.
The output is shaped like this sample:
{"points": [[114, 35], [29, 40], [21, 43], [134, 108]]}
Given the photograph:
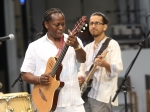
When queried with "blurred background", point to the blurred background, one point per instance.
{"points": [[129, 25]]}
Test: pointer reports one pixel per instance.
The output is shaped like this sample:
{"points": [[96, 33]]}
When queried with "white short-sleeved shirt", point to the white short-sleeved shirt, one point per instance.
{"points": [[35, 61]]}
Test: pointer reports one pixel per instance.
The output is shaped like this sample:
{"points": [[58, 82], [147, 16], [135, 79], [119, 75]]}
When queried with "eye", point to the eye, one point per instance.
{"points": [[58, 25], [63, 24], [95, 23]]}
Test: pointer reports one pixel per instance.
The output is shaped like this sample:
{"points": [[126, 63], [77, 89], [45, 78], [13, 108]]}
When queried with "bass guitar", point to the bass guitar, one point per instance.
{"points": [[45, 97], [86, 85]]}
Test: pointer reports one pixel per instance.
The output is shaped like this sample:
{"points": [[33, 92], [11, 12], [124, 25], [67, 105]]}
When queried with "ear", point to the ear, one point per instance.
{"points": [[105, 27], [46, 25]]}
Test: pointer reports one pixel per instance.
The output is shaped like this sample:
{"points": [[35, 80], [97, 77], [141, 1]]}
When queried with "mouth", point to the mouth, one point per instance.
{"points": [[93, 31], [60, 34]]}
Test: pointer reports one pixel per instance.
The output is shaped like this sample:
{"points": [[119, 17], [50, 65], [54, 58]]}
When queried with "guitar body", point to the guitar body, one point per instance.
{"points": [[45, 97], [86, 90]]}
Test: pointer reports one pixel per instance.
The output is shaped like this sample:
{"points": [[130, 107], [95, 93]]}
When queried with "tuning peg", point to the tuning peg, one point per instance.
{"points": [[81, 31], [86, 25], [83, 28]]}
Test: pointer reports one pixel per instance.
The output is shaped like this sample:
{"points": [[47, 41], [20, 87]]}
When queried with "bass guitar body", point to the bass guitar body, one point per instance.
{"points": [[46, 96], [86, 89]]}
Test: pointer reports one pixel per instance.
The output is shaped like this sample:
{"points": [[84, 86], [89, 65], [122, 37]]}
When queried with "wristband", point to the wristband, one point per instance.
{"points": [[79, 47]]}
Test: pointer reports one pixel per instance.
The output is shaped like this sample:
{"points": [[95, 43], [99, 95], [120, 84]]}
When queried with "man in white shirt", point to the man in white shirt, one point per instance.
{"points": [[50, 45], [104, 84]]}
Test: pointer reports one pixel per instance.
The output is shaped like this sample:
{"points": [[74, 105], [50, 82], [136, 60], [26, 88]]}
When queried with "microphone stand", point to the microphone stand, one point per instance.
{"points": [[122, 85], [21, 82]]}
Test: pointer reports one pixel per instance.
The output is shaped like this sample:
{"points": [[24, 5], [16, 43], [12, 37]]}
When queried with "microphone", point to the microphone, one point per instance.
{"points": [[1, 85], [9, 37]]}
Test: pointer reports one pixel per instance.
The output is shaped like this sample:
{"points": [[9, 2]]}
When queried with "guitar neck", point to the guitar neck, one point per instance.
{"points": [[77, 28], [90, 74], [59, 60]]}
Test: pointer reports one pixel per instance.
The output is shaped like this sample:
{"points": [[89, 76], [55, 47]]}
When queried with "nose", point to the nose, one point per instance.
{"points": [[93, 25], [61, 26]]}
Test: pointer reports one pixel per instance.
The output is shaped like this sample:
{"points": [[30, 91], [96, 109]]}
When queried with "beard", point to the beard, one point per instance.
{"points": [[95, 33]]}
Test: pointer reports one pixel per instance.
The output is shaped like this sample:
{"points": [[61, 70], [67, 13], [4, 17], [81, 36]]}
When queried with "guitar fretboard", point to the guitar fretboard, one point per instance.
{"points": [[59, 60]]}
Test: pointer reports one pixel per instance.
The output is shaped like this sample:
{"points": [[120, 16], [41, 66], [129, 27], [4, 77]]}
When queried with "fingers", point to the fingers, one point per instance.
{"points": [[98, 61], [69, 41], [72, 40], [69, 32], [45, 79], [100, 56], [80, 80]]}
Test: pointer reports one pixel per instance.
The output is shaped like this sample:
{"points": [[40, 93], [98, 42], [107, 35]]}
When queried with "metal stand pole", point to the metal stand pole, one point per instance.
{"points": [[125, 97], [21, 82]]}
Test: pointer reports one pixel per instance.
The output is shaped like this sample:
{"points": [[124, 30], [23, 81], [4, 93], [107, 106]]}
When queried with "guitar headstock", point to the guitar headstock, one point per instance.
{"points": [[80, 25]]}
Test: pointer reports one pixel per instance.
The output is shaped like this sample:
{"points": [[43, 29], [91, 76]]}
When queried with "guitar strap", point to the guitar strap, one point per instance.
{"points": [[62, 42], [104, 46]]}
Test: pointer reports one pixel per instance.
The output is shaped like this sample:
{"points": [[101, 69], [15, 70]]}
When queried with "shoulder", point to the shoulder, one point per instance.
{"points": [[112, 41], [37, 42], [91, 44], [114, 44]]}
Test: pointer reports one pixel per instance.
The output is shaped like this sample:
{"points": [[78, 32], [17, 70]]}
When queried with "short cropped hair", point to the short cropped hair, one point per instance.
{"points": [[105, 19]]}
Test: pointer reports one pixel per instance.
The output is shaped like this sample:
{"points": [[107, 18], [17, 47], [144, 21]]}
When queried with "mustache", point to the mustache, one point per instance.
{"points": [[93, 29]]}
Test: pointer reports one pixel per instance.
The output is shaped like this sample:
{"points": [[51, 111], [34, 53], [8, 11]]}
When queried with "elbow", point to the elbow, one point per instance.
{"points": [[23, 77], [82, 59], [81, 56]]}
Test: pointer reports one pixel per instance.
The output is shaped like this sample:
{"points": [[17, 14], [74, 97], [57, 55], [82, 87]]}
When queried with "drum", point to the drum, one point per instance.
{"points": [[16, 102]]}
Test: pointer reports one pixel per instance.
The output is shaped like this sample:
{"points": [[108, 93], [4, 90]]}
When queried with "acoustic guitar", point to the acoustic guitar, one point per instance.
{"points": [[45, 97], [86, 85]]}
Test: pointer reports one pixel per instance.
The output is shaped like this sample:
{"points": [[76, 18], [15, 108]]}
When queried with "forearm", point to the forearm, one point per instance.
{"points": [[107, 66], [30, 78], [80, 55]]}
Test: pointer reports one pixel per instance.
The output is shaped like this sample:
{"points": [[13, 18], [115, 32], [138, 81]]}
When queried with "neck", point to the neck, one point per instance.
{"points": [[54, 39], [99, 39]]}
